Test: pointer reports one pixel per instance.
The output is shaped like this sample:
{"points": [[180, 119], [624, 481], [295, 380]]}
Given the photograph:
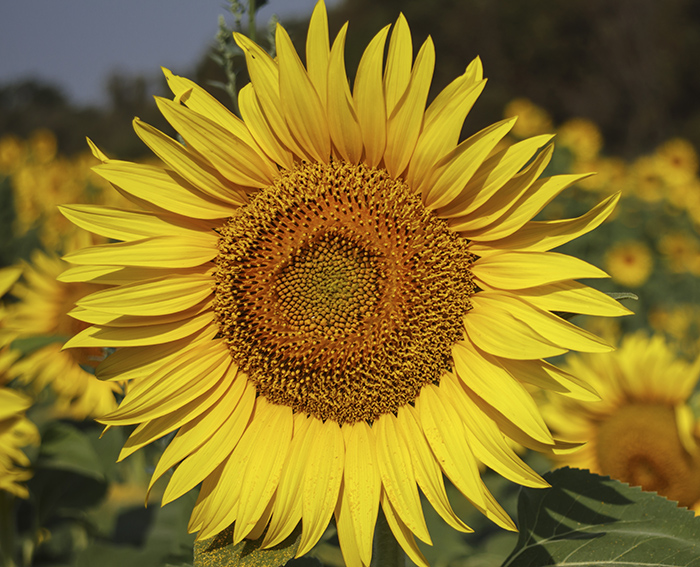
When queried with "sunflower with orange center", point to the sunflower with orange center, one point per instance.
{"points": [[333, 300], [643, 431]]}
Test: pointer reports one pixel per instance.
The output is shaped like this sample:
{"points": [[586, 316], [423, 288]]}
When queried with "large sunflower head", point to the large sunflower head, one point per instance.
{"points": [[333, 299], [643, 432]]}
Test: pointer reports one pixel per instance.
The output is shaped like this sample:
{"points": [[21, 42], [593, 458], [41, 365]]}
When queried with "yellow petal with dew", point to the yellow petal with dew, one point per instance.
{"points": [[428, 473], [346, 532], [301, 104], [551, 327], [492, 383], [287, 508], [318, 50], [486, 328], [362, 485], [203, 461], [397, 73], [264, 75], [230, 155], [540, 236], [406, 119], [156, 251], [343, 122], [454, 171], [259, 470], [260, 128], [519, 270], [206, 500], [196, 98], [402, 533], [204, 181], [368, 94], [158, 296], [444, 432], [486, 440], [322, 477], [398, 478]]}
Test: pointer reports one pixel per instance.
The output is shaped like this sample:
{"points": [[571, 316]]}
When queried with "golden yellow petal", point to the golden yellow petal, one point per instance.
{"points": [[402, 533], [573, 297], [301, 104], [368, 94], [346, 532], [397, 73], [318, 50]]}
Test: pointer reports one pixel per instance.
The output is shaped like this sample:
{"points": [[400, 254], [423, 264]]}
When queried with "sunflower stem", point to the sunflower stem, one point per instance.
{"points": [[251, 19], [386, 551]]}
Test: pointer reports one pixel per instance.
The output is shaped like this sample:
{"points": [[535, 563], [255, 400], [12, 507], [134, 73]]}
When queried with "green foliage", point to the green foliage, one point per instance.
{"points": [[586, 519]]}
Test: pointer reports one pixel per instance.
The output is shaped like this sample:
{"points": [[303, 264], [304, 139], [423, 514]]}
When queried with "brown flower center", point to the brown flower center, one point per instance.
{"points": [[640, 445], [339, 293]]}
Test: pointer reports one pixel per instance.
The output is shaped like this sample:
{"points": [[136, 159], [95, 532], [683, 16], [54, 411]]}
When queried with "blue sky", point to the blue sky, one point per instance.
{"points": [[77, 43]]}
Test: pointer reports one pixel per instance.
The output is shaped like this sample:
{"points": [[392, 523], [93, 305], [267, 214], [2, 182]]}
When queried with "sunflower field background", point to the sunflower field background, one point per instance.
{"points": [[615, 82]]}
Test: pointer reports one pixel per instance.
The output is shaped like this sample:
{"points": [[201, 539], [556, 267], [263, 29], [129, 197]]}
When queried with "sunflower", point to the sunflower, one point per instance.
{"points": [[643, 432], [629, 263], [333, 300], [41, 314], [16, 432]]}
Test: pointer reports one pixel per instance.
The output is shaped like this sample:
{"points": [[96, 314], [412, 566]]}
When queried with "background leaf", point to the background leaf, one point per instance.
{"points": [[586, 519]]}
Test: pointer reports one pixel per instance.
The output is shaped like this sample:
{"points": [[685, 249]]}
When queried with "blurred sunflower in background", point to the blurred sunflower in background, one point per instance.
{"points": [[643, 430], [317, 296], [40, 315]]}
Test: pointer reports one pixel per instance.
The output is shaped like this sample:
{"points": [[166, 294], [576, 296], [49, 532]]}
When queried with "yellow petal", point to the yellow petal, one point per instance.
{"points": [[547, 376], [454, 171], [486, 440], [203, 179], [105, 337], [406, 119], [97, 152], [517, 270], [397, 73], [120, 224], [486, 328], [428, 473], [260, 128], [202, 462], [368, 94], [553, 328], [196, 98], [442, 127], [259, 471], [398, 478], [343, 123], [318, 50], [445, 434], [362, 485], [402, 533], [540, 236], [158, 251], [346, 532], [491, 382], [480, 209], [264, 76], [573, 297], [301, 104], [230, 155], [152, 297], [286, 510], [322, 477]]}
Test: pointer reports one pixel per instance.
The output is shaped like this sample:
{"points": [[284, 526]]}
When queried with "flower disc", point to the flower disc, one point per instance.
{"points": [[339, 293]]}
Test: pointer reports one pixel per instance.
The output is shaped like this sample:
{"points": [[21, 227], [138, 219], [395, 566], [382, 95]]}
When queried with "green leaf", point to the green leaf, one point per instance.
{"points": [[65, 447], [586, 519], [219, 551], [27, 345]]}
